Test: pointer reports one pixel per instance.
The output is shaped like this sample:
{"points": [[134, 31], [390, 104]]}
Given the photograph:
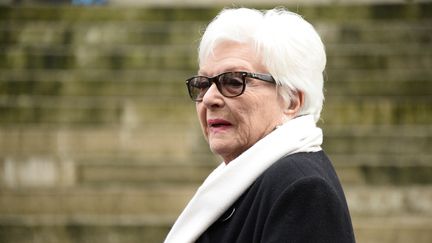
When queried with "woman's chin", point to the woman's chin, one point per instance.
{"points": [[223, 150]]}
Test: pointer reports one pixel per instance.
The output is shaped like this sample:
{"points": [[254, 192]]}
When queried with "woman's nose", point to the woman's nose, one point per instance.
{"points": [[213, 97]]}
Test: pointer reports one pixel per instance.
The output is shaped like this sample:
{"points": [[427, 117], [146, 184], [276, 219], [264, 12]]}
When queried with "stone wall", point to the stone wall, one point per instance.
{"points": [[99, 141]]}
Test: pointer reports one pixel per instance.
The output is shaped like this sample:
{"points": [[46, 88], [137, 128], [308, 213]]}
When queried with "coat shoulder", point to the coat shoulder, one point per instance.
{"points": [[297, 167], [300, 165]]}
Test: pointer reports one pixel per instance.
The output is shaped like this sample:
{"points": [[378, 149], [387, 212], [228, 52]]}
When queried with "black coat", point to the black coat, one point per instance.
{"points": [[298, 199]]}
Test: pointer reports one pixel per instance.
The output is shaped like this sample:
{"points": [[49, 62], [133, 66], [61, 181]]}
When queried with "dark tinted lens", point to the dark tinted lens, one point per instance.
{"points": [[231, 84], [198, 86]]}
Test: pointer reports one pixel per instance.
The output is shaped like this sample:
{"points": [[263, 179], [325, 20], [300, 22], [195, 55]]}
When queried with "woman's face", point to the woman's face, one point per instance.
{"points": [[232, 125]]}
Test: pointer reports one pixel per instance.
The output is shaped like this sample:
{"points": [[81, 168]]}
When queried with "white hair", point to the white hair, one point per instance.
{"points": [[288, 46]]}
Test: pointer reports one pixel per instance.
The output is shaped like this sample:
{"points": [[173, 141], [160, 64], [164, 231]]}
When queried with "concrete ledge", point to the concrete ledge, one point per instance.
{"points": [[379, 201], [393, 229], [389, 201], [137, 229], [96, 201]]}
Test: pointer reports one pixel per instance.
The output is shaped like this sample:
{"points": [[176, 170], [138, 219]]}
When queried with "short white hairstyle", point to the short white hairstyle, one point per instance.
{"points": [[288, 46]]}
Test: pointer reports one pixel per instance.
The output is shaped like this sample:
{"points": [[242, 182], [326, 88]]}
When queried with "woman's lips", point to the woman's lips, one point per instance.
{"points": [[218, 125]]}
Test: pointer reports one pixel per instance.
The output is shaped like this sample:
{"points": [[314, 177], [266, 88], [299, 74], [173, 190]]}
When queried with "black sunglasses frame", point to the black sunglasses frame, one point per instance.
{"points": [[260, 76]]}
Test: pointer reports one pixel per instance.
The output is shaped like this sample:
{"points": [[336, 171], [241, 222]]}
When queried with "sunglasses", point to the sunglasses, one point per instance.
{"points": [[229, 84]]}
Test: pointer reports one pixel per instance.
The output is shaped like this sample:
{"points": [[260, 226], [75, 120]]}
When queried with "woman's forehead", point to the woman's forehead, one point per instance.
{"points": [[229, 56]]}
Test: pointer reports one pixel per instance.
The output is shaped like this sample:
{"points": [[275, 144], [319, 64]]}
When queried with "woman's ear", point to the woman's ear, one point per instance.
{"points": [[296, 103]]}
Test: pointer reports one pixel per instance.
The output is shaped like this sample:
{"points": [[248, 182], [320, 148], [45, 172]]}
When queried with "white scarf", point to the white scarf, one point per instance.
{"points": [[228, 182]]}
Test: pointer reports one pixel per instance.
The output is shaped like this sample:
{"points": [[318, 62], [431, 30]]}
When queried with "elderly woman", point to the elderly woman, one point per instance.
{"points": [[258, 96]]}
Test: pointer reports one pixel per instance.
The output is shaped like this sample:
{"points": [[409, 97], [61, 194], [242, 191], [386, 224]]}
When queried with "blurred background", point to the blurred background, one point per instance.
{"points": [[99, 141]]}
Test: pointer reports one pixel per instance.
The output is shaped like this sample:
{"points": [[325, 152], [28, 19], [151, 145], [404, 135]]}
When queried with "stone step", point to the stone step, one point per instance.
{"points": [[156, 82], [182, 140], [380, 172], [377, 82], [354, 110], [162, 142], [360, 174], [389, 200], [393, 140], [393, 229], [107, 33], [168, 201], [365, 12], [122, 172], [184, 56], [186, 139], [375, 31], [95, 57], [373, 110], [160, 201], [386, 61], [21, 56], [148, 175], [133, 32], [172, 85], [94, 110], [131, 229], [167, 85], [101, 14], [353, 169], [142, 171], [66, 36], [83, 233]]}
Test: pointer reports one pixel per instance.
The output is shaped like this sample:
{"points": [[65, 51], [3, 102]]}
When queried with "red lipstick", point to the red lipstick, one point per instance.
{"points": [[218, 125]]}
